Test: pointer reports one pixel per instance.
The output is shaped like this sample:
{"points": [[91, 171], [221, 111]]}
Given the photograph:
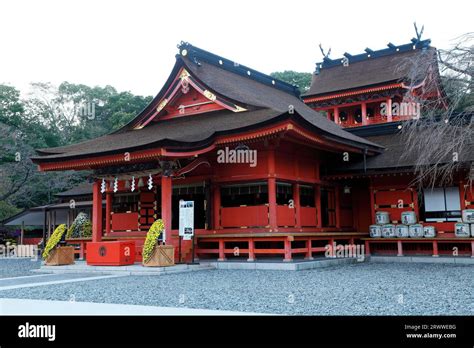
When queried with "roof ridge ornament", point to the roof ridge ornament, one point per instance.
{"points": [[415, 43]]}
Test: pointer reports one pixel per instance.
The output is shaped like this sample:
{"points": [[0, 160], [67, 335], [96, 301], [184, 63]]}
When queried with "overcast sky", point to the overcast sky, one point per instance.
{"points": [[131, 44]]}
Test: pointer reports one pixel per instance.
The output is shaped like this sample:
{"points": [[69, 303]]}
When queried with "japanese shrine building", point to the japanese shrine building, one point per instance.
{"points": [[271, 172]]}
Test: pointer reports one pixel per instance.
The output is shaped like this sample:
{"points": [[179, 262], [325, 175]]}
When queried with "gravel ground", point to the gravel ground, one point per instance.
{"points": [[17, 267], [362, 289]]}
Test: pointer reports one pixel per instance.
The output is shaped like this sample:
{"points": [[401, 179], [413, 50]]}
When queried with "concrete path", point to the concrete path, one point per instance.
{"points": [[41, 307], [48, 279], [136, 269]]}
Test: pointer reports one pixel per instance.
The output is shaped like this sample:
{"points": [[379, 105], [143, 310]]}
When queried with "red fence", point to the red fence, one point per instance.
{"points": [[308, 216], [124, 222], [285, 216], [247, 216]]}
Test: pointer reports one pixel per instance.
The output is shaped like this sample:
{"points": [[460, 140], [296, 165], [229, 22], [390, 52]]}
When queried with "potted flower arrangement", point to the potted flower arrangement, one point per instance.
{"points": [[55, 255], [154, 254], [81, 228]]}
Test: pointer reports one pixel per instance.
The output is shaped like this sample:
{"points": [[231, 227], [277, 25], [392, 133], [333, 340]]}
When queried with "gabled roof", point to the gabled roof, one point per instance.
{"points": [[266, 100], [372, 68]]}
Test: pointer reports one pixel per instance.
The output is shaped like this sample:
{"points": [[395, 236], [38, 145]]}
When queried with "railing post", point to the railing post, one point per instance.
{"points": [[435, 248], [309, 253], [399, 248], [251, 246], [288, 255], [221, 250]]}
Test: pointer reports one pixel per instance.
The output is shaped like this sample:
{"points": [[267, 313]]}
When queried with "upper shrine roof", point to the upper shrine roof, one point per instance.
{"points": [[371, 68]]}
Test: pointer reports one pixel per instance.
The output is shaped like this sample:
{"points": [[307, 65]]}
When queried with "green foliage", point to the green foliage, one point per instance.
{"points": [[152, 239], [300, 79], [7, 210], [54, 240], [87, 229], [79, 227], [48, 117], [11, 108]]}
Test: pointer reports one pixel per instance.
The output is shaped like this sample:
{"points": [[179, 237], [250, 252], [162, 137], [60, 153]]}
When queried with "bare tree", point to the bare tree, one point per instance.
{"points": [[440, 142]]}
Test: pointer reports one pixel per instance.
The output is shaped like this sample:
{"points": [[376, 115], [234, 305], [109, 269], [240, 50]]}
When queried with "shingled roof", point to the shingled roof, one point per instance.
{"points": [[395, 155], [267, 100], [369, 69]]}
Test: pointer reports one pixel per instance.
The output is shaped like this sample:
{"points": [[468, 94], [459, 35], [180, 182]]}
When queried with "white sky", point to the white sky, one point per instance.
{"points": [[131, 44]]}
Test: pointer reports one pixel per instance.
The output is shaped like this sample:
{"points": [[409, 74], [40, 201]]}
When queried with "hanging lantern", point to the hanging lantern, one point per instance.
{"points": [[150, 182], [140, 182]]}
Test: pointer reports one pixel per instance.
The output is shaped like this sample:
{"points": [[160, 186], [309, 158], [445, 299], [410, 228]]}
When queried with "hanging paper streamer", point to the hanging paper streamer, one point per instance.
{"points": [[115, 185], [133, 184], [150, 182], [102, 186]]}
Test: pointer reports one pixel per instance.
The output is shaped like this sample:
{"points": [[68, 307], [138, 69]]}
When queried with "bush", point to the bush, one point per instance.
{"points": [[54, 240], [80, 228], [151, 239], [87, 230]]}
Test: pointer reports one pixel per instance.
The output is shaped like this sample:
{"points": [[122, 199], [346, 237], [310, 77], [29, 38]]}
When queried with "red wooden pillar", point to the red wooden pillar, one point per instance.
{"points": [[364, 113], [296, 199], [472, 249], [272, 202], [251, 250], [372, 204], [367, 248], [96, 212], [309, 253], [389, 110], [317, 204], [337, 203], [166, 195], [288, 255], [108, 212], [221, 250], [399, 248], [217, 207], [435, 248], [336, 115]]}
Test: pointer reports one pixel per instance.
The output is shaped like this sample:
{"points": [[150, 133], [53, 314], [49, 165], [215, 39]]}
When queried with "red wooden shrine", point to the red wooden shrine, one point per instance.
{"points": [[298, 180]]}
